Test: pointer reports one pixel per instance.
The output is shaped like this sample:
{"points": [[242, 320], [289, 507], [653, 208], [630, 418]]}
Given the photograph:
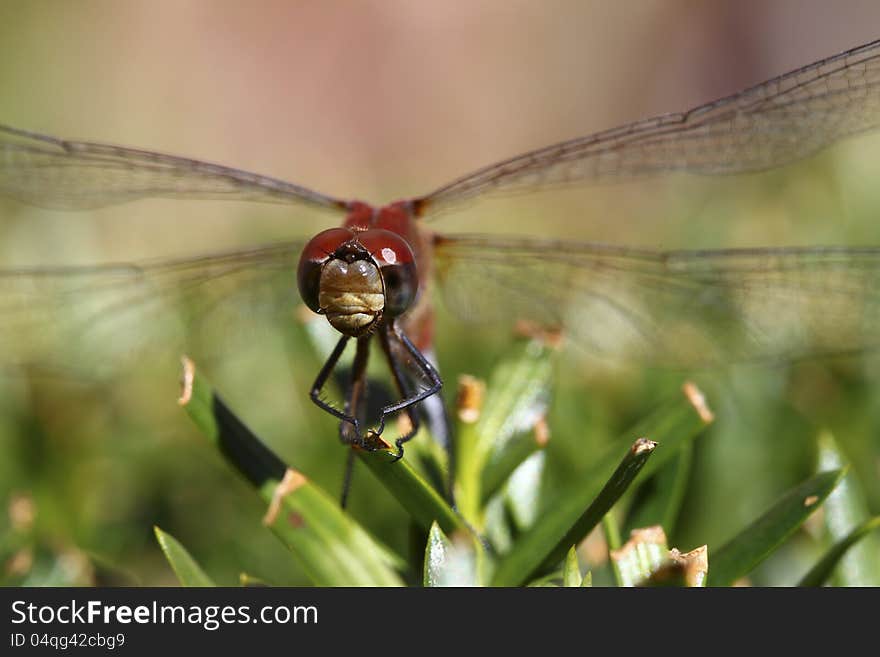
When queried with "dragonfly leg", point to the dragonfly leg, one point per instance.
{"points": [[318, 388], [388, 333], [355, 397], [403, 387], [355, 400]]}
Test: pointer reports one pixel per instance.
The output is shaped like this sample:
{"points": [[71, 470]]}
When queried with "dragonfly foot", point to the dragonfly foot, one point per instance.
{"points": [[372, 441], [399, 444]]}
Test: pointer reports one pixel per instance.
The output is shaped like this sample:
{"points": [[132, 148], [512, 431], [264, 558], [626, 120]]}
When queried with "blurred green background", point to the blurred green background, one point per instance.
{"points": [[382, 100]]}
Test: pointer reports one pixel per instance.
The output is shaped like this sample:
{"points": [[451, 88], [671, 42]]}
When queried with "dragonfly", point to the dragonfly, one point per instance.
{"points": [[373, 276]]}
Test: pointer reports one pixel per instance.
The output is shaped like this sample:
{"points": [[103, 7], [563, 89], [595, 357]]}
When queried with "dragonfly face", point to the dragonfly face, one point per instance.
{"points": [[350, 291], [356, 278]]}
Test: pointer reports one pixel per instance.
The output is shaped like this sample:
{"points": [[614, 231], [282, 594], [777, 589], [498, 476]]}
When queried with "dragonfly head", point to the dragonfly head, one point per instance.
{"points": [[357, 277]]}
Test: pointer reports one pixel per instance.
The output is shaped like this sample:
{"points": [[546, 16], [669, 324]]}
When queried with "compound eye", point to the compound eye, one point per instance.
{"points": [[319, 249], [397, 266]]}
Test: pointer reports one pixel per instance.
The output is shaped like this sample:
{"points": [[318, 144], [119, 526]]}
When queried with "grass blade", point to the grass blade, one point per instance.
{"points": [[332, 548], [517, 394], [673, 425], [421, 500], [435, 556], [845, 510], [522, 492], [746, 550], [188, 572], [453, 562], [571, 572], [491, 418], [612, 540], [658, 500], [501, 466], [568, 522], [820, 573]]}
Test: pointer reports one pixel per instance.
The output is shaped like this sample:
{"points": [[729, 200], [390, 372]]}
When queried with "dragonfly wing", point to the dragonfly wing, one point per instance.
{"points": [[106, 317], [675, 308], [768, 125], [56, 173]]}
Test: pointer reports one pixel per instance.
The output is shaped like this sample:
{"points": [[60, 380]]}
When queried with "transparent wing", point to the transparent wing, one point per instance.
{"points": [[676, 308], [99, 319], [768, 125], [55, 173]]}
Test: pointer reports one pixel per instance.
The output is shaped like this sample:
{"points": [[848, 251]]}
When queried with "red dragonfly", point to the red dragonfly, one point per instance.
{"points": [[370, 277]]}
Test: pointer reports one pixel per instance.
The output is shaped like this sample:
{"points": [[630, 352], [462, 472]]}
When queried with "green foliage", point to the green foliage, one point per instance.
{"points": [[510, 527], [741, 554], [567, 521], [333, 548], [508, 530]]}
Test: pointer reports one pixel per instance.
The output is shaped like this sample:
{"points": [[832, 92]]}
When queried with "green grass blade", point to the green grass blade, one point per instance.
{"points": [[501, 466], [453, 562], [188, 572], [468, 458], [421, 500], [658, 500], [522, 492], [845, 509], [517, 395], [571, 519], [516, 399], [611, 531], [751, 546], [571, 572], [498, 529], [820, 573], [435, 556], [332, 548], [673, 425], [612, 540]]}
